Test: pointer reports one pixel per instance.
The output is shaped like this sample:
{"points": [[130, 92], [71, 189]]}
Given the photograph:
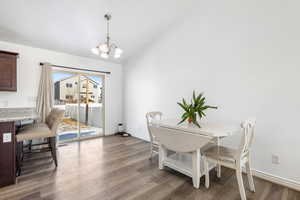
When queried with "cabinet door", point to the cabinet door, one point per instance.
{"points": [[7, 155], [8, 72]]}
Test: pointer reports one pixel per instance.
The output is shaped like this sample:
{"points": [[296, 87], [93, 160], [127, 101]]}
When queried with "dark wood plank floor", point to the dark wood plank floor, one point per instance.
{"points": [[119, 168]]}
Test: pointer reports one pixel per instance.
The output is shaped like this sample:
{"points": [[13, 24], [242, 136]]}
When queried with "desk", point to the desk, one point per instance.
{"points": [[8, 117], [188, 141]]}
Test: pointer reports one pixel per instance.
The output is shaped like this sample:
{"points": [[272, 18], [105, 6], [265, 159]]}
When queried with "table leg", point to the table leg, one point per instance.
{"points": [[196, 157], [161, 156]]}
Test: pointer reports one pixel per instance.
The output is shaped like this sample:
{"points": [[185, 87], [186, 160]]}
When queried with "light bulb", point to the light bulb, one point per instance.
{"points": [[103, 48], [95, 51], [118, 51], [104, 55], [117, 55]]}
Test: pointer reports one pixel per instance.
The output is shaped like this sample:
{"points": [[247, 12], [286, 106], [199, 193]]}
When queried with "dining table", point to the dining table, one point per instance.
{"points": [[181, 145]]}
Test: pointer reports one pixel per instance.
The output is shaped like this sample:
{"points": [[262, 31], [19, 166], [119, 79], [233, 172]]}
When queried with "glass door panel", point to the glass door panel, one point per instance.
{"points": [[66, 97], [91, 109]]}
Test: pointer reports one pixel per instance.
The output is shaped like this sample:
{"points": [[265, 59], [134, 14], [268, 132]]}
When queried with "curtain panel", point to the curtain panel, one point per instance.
{"points": [[45, 92]]}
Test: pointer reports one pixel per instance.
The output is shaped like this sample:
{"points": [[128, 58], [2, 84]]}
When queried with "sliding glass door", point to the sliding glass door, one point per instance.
{"points": [[81, 95]]}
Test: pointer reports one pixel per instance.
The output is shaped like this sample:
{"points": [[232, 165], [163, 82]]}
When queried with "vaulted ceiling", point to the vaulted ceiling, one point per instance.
{"points": [[76, 26]]}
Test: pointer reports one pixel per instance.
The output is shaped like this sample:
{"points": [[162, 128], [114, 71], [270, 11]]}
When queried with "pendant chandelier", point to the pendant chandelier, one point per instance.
{"points": [[107, 49]]}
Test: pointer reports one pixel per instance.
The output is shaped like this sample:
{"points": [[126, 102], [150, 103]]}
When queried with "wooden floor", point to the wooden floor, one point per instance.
{"points": [[119, 168]]}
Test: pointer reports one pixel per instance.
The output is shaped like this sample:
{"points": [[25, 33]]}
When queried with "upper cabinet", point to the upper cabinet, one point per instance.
{"points": [[8, 71]]}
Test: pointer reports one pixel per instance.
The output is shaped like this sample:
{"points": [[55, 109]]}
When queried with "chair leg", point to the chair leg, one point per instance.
{"points": [[52, 142], [240, 182], [19, 157], [206, 170], [151, 151], [250, 177], [218, 165], [30, 145], [218, 170]]}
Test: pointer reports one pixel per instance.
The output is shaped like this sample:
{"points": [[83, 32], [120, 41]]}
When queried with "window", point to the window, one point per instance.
{"points": [[92, 96], [95, 86], [84, 85], [69, 85], [69, 96]]}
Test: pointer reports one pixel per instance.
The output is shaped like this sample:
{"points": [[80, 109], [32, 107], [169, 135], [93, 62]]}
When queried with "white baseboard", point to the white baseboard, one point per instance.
{"points": [[276, 179]]}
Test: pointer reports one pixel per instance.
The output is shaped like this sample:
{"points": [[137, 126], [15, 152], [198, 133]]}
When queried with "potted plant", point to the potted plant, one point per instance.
{"points": [[196, 107]]}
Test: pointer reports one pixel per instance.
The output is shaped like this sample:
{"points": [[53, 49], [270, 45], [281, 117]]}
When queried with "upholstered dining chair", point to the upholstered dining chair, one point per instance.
{"points": [[150, 116], [34, 131], [233, 158]]}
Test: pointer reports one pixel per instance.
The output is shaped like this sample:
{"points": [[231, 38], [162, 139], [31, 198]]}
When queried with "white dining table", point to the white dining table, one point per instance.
{"points": [[186, 142], [208, 129]]}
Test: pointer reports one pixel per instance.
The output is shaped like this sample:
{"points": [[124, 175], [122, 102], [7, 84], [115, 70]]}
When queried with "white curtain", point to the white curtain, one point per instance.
{"points": [[45, 93]]}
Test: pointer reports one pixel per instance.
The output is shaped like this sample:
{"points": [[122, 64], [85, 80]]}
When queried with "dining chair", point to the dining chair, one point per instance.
{"points": [[150, 116], [35, 131], [233, 158]]}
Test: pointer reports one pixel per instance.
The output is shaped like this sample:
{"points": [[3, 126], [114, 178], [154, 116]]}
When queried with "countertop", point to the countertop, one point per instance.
{"points": [[17, 114]]}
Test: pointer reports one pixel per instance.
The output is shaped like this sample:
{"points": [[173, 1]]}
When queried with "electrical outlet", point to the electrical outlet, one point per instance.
{"points": [[6, 137], [275, 159]]}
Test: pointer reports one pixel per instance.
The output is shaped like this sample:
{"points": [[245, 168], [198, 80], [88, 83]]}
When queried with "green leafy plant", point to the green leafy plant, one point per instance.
{"points": [[196, 107]]}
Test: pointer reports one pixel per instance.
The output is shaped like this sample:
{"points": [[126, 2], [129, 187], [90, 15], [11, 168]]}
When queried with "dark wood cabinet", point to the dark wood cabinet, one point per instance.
{"points": [[8, 71], [7, 154]]}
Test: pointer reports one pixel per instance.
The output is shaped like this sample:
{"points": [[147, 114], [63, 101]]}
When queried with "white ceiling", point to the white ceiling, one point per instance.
{"points": [[75, 26]]}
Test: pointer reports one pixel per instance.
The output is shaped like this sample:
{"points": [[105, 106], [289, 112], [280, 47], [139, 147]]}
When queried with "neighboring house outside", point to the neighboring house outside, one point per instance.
{"points": [[65, 90]]}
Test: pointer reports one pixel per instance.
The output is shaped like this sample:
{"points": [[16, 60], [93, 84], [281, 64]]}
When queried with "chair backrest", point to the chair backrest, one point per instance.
{"points": [[54, 118], [247, 137], [150, 116]]}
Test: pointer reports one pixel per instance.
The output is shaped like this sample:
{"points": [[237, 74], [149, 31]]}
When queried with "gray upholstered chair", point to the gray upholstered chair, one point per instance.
{"points": [[233, 158], [34, 131], [156, 115]]}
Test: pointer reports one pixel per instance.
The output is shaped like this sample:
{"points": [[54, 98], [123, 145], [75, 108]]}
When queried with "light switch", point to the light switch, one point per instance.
{"points": [[6, 137]]}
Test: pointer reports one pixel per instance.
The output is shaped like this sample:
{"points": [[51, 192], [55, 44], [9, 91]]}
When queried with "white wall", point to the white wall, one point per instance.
{"points": [[29, 72], [245, 56]]}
